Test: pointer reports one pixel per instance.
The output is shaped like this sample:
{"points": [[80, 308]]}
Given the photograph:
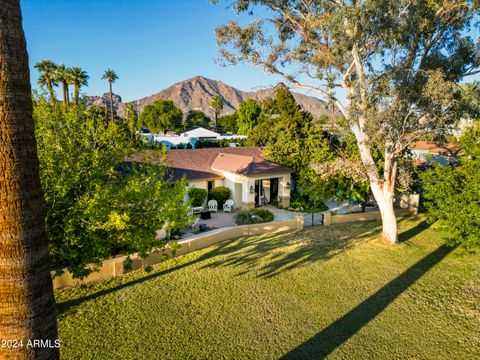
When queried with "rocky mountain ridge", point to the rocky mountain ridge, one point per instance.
{"points": [[196, 94]]}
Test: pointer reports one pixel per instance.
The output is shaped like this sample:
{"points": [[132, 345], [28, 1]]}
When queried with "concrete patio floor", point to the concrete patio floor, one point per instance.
{"points": [[221, 219]]}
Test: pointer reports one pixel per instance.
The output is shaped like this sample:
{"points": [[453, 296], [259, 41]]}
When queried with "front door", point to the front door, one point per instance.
{"points": [[273, 189], [258, 187]]}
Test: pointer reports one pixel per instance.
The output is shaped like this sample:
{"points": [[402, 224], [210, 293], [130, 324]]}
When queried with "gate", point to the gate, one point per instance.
{"points": [[313, 219]]}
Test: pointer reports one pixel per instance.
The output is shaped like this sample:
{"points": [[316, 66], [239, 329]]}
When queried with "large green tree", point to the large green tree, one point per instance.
{"points": [[452, 193], [27, 306], [97, 204], [161, 115], [292, 138], [197, 118], [247, 116], [397, 63], [227, 123]]}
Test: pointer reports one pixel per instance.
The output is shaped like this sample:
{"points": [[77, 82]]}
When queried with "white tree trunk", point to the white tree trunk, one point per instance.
{"points": [[383, 188], [384, 197]]}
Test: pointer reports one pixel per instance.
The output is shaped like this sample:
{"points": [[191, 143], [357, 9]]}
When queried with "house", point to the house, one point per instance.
{"points": [[201, 133], [251, 178], [188, 137], [424, 152]]}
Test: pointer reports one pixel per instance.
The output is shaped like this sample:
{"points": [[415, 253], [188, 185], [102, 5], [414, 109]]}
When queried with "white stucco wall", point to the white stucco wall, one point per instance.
{"points": [[199, 184], [240, 187]]}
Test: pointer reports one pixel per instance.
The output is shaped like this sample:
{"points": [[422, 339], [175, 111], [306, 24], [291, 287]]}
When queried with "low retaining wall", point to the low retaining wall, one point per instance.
{"points": [[116, 267], [329, 219]]}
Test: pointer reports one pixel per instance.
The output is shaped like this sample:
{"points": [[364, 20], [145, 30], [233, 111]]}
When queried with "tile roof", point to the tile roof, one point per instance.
{"points": [[201, 164], [450, 149]]}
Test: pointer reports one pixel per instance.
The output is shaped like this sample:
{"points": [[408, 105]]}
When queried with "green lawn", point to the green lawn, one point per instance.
{"points": [[334, 292]]}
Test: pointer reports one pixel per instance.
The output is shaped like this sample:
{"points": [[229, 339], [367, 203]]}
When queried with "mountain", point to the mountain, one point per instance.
{"points": [[196, 94]]}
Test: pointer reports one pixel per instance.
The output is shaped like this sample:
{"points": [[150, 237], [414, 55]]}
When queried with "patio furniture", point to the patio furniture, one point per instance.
{"points": [[228, 206], [197, 209], [205, 214], [213, 205]]}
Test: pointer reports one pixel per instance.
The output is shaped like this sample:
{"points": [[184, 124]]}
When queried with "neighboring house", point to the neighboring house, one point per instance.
{"points": [[201, 133], [189, 137], [424, 152], [251, 179]]}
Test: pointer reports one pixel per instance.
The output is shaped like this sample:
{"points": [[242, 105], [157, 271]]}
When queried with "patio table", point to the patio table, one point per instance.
{"points": [[205, 215]]}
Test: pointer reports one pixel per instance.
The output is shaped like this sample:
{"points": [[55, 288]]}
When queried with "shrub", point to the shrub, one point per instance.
{"points": [[220, 194], [265, 215], [254, 216], [197, 196]]}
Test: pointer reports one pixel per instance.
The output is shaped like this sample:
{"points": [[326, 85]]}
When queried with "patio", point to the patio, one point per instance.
{"points": [[224, 219]]}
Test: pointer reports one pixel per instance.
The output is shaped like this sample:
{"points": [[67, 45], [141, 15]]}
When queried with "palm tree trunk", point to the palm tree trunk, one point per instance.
{"points": [[111, 102], [76, 95], [27, 306], [50, 91], [65, 94]]}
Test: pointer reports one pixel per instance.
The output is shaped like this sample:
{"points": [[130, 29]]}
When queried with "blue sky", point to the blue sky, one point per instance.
{"points": [[150, 44]]}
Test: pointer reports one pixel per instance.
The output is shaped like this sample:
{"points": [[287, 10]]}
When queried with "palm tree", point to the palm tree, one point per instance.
{"points": [[217, 106], [63, 77], [79, 78], [27, 306], [47, 77], [111, 76]]}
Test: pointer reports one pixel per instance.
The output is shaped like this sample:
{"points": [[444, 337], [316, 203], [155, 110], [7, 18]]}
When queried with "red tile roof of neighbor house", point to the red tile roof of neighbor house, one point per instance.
{"points": [[201, 164], [434, 148]]}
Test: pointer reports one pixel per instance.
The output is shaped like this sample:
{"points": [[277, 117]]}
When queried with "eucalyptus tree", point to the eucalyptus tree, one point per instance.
{"points": [[79, 78], [47, 77], [397, 65], [217, 106], [27, 306], [111, 76]]}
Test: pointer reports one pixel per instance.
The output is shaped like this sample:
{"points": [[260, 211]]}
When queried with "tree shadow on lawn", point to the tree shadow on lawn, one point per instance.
{"points": [[414, 231], [334, 335], [270, 255], [221, 248], [280, 252]]}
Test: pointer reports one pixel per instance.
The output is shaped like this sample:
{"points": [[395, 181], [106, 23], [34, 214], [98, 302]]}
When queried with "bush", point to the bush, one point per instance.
{"points": [[264, 214], [220, 194], [254, 216], [197, 196]]}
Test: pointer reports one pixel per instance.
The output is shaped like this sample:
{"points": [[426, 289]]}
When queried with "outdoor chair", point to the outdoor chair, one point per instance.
{"points": [[228, 206], [213, 205]]}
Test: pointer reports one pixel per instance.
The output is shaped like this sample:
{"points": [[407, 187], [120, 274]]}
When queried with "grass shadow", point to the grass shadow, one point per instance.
{"points": [[270, 255], [334, 335], [64, 306], [414, 231]]}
